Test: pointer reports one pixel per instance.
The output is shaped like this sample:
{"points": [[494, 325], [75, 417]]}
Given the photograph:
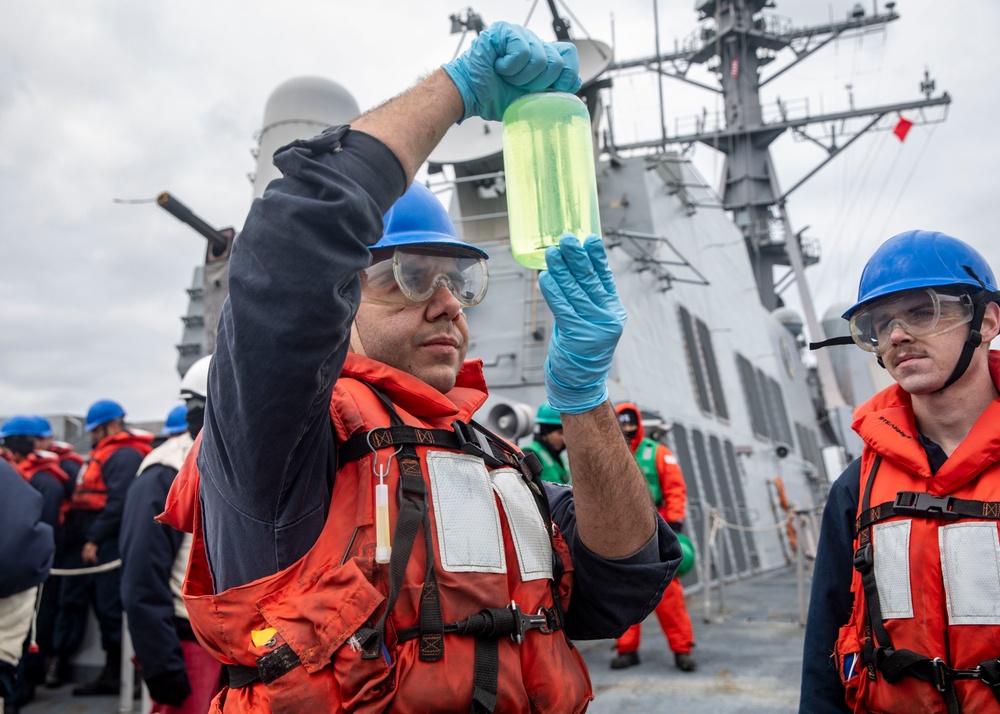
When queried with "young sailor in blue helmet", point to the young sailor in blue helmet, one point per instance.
{"points": [[903, 614]]}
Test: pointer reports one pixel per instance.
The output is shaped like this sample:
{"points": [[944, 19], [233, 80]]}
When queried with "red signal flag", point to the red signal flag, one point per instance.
{"points": [[902, 128]]}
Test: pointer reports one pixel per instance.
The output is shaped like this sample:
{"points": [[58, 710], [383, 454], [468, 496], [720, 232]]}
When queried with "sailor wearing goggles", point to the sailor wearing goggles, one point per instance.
{"points": [[905, 585], [413, 294]]}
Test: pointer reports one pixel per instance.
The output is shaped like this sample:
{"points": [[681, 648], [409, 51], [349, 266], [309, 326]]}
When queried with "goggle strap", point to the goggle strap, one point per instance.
{"points": [[973, 341], [842, 340]]}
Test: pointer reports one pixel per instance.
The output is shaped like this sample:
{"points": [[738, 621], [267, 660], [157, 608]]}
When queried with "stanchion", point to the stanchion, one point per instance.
{"points": [[705, 562], [711, 525], [126, 697]]}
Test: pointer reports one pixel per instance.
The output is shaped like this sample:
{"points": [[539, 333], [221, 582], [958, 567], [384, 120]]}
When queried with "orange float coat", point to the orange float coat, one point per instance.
{"points": [[318, 605], [671, 611], [936, 571], [41, 461], [91, 493]]}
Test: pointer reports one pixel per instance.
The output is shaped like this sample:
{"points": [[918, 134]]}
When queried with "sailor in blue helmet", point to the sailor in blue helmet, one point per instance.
{"points": [[176, 422], [91, 538], [340, 367], [69, 460], [903, 613]]}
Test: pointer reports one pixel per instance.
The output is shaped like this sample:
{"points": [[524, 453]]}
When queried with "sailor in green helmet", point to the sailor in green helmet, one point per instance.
{"points": [[549, 445]]}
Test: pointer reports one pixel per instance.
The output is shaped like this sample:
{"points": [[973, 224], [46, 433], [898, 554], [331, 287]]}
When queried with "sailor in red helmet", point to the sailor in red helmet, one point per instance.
{"points": [[904, 615], [340, 412], [666, 486]]}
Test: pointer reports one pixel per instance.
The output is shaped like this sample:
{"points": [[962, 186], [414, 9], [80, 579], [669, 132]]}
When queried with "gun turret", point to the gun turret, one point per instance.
{"points": [[217, 239], [205, 308]]}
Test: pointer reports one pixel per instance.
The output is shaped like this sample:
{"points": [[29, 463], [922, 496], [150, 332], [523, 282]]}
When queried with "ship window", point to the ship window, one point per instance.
{"points": [[782, 430], [730, 510], [702, 365], [711, 498], [811, 450], [755, 401], [694, 361], [714, 381], [682, 450], [741, 501]]}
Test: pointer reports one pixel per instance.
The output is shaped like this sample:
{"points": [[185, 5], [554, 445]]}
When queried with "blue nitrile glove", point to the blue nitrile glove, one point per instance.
{"points": [[507, 61], [580, 291]]}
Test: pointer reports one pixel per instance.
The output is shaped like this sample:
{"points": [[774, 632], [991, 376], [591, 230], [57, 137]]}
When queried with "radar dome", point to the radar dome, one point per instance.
{"points": [[790, 319], [834, 325], [299, 108]]}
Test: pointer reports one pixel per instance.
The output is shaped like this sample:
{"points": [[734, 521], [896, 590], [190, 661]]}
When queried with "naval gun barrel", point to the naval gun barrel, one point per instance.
{"points": [[218, 241]]}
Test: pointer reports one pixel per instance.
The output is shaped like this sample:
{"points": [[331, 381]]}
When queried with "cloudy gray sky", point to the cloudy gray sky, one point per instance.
{"points": [[105, 99]]}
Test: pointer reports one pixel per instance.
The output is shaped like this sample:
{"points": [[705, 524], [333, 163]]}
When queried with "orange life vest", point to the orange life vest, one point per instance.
{"points": [[929, 547], [65, 452], [320, 613], [41, 461], [48, 462], [91, 493]]}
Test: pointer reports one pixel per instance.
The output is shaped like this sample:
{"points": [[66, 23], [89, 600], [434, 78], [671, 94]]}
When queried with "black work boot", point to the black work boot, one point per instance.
{"points": [[55, 672], [685, 662], [107, 682], [625, 659]]}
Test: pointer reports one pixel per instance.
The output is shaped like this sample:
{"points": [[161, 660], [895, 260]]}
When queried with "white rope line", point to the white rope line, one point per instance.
{"points": [[717, 522], [103, 568]]}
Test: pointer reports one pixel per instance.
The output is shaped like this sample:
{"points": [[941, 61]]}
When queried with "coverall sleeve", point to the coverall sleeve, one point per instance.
{"points": [[148, 550], [831, 601], [672, 485], [118, 473], [53, 492], [609, 596], [27, 546], [267, 457]]}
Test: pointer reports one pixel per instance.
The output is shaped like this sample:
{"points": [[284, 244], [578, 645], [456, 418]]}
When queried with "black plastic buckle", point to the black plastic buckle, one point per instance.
{"points": [[524, 622], [911, 503], [472, 441], [864, 559]]}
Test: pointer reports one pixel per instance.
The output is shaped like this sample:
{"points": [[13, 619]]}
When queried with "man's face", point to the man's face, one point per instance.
{"points": [[556, 439], [98, 433], [428, 340], [921, 365]]}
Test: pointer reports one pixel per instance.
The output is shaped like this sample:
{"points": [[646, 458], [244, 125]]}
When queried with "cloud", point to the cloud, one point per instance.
{"points": [[106, 100]]}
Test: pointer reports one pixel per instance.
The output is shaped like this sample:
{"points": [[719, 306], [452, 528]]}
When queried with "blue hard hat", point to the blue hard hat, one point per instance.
{"points": [[921, 259], [176, 421], [21, 425], [101, 412], [419, 219], [44, 425]]}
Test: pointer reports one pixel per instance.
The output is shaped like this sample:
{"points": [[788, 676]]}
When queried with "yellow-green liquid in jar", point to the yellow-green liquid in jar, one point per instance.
{"points": [[549, 170]]}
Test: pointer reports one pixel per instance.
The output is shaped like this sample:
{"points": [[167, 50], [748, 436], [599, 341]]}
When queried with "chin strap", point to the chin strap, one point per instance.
{"points": [[973, 341]]}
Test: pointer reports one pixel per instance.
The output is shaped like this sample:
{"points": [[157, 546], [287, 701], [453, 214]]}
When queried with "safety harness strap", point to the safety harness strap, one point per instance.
{"points": [[926, 505], [413, 515], [270, 666], [470, 437]]}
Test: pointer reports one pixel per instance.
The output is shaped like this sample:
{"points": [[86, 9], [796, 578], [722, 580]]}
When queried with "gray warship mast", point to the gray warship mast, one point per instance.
{"points": [[736, 41]]}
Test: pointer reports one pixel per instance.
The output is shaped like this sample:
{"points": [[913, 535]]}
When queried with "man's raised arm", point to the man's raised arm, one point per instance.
{"points": [[614, 513]]}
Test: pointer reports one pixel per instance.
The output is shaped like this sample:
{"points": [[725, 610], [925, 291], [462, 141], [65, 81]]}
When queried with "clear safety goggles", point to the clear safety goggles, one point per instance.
{"points": [[412, 277], [919, 313]]}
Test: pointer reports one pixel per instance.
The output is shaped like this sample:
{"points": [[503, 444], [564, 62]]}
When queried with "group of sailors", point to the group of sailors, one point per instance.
{"points": [[108, 553]]}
